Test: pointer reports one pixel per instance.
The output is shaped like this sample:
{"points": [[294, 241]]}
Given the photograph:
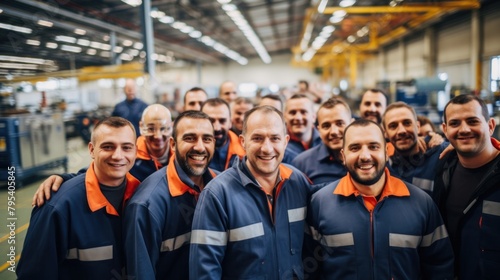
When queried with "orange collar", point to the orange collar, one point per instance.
{"points": [[97, 200], [304, 144], [393, 186], [234, 148], [495, 143], [143, 153], [175, 185]]}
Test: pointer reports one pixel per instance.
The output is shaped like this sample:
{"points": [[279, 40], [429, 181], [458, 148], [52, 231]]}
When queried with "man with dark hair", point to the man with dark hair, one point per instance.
{"points": [[249, 221], [372, 223], [228, 149], [194, 98], [373, 104], [77, 235], [158, 218], [239, 107], [426, 126], [300, 116], [468, 182], [322, 163], [408, 162]]}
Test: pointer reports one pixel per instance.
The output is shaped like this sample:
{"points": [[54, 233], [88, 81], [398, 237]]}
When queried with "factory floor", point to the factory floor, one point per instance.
{"points": [[14, 218]]}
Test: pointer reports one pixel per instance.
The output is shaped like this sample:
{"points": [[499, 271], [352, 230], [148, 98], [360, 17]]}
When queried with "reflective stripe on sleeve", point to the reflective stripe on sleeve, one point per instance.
{"points": [[91, 254], [209, 237], [297, 214], [424, 184], [246, 232], [438, 234], [175, 243], [491, 208]]}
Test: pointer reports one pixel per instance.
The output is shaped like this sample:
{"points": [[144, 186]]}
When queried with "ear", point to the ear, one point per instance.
{"points": [[140, 125], [242, 141], [491, 125], [91, 150], [443, 127], [172, 144], [342, 156]]}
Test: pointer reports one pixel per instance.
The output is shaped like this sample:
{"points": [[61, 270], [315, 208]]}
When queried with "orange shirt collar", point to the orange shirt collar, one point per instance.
{"points": [[393, 186], [97, 200], [234, 148], [175, 184], [143, 153]]}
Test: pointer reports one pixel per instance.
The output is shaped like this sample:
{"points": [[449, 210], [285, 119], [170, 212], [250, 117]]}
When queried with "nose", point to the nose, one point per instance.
{"points": [[117, 154], [198, 146], [464, 128], [216, 125], [267, 146], [334, 130], [401, 129], [364, 153]]}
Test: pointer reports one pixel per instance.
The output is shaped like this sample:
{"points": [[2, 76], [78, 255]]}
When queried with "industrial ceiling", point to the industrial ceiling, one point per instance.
{"points": [[43, 37]]}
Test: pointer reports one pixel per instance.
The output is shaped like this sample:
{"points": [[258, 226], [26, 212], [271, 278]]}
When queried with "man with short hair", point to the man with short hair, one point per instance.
{"points": [[228, 149], [152, 151], [158, 218], [373, 104], [228, 92], [468, 182], [273, 100], [194, 98], [408, 162], [300, 116], [322, 163], [238, 109], [77, 235], [249, 221], [132, 107], [372, 223]]}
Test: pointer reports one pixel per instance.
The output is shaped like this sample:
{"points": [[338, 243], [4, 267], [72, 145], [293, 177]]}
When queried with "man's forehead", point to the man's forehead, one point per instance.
{"points": [[157, 122]]}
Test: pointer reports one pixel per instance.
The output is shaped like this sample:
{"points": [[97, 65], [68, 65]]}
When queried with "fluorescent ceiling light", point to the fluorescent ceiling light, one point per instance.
{"points": [[157, 14], [347, 3], [19, 66], [138, 45], [224, 1], [133, 3], [71, 48], [83, 42], [118, 49], [51, 45], [67, 39], [178, 25], [105, 54], [186, 29], [80, 31], [127, 43], [322, 6], [22, 59], [45, 23], [33, 42], [195, 34], [166, 19], [15, 28], [91, 51]]}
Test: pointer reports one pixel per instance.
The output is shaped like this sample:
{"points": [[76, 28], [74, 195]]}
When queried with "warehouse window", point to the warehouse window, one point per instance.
{"points": [[495, 74]]}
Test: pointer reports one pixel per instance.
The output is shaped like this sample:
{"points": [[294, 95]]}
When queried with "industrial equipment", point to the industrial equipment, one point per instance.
{"points": [[31, 143]]}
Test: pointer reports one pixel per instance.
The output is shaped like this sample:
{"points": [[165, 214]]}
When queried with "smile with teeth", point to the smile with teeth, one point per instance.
{"points": [[365, 166], [197, 157], [266, 157]]}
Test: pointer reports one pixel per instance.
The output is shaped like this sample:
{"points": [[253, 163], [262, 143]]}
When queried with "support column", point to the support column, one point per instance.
{"points": [[148, 39], [430, 52], [475, 53]]}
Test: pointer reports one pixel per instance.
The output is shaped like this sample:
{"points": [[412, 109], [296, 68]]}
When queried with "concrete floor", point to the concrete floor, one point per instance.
{"points": [[78, 157]]}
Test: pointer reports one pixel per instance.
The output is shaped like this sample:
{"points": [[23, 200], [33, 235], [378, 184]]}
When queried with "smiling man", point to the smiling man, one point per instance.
{"points": [[158, 218], [322, 163], [77, 234], [373, 104], [468, 180], [408, 162], [249, 222], [300, 116], [382, 226]]}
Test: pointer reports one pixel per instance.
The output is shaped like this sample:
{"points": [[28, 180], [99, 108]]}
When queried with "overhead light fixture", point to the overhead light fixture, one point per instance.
{"points": [[105, 54], [15, 28], [66, 39], [71, 48], [127, 43], [347, 3], [105, 38], [33, 42], [195, 34], [51, 45], [138, 45], [224, 1], [133, 3], [318, 42], [322, 6], [125, 56], [23, 59], [118, 49], [80, 31], [91, 51], [45, 23], [240, 21], [83, 42], [18, 66], [157, 14], [166, 19]]}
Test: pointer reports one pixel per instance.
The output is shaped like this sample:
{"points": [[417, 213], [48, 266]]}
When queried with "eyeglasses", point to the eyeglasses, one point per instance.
{"points": [[156, 128]]}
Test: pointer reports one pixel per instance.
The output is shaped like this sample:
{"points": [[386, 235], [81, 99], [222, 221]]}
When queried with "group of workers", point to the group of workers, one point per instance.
{"points": [[229, 190]]}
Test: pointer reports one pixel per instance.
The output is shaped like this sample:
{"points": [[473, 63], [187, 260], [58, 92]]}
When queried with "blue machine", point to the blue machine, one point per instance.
{"points": [[30, 144], [427, 95]]}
